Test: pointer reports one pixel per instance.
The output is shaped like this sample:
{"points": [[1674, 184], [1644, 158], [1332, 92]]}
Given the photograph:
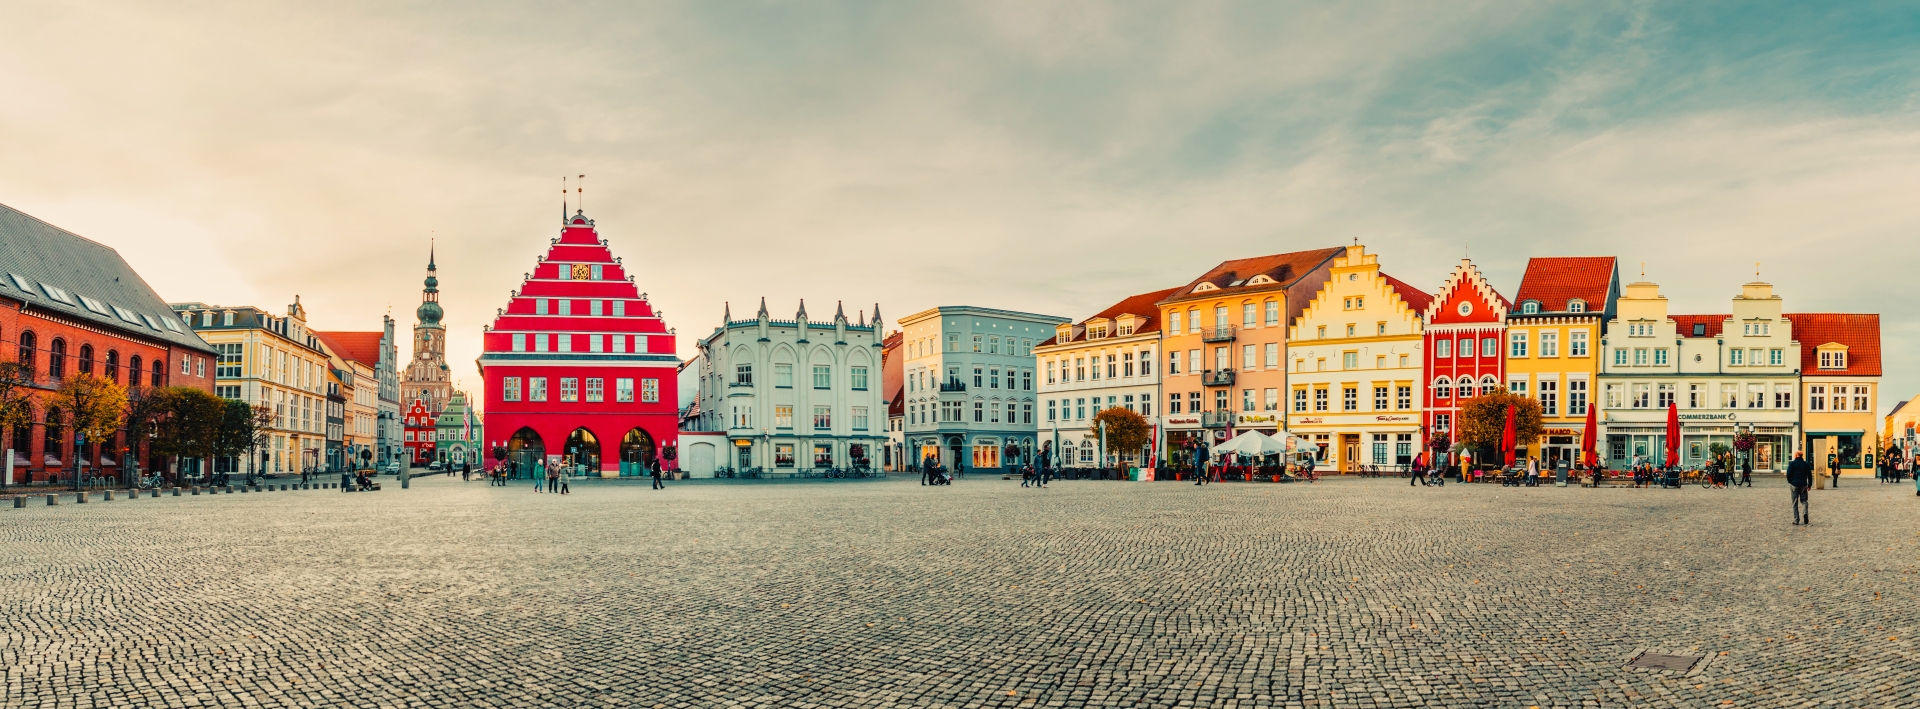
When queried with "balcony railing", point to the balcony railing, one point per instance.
{"points": [[1217, 378], [950, 386], [1223, 333], [1216, 419]]}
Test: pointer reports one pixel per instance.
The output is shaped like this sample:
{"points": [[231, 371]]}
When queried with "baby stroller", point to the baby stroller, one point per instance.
{"points": [[940, 476]]}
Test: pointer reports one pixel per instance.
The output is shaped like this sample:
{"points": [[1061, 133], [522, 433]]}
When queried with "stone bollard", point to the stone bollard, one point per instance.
{"points": [[196, 490], [53, 500], [108, 497], [229, 489], [20, 502], [80, 498], [176, 491]]}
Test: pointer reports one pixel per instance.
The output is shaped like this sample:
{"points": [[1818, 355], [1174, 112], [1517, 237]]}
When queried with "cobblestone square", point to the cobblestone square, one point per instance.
{"points": [[1347, 593]]}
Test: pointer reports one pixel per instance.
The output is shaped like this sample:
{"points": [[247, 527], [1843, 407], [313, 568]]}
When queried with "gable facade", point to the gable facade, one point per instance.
{"points": [[1355, 366]]}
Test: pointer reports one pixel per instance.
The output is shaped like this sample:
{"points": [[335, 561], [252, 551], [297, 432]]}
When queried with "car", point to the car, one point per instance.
{"points": [[393, 468]]}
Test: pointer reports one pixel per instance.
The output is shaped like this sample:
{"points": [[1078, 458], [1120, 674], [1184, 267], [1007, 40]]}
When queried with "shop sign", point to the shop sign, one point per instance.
{"points": [[1246, 419], [1311, 419], [1561, 432], [1393, 419], [1183, 421], [1707, 417]]}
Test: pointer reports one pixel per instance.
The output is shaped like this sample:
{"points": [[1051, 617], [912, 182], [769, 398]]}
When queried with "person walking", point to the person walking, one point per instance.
{"points": [[1533, 471], [466, 472], [1833, 467], [566, 474], [1746, 472], [1800, 477], [1200, 455], [539, 476], [656, 478], [926, 470], [1044, 465]]}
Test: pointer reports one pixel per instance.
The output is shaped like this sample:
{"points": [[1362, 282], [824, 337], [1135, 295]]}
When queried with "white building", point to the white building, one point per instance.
{"points": [[1103, 362], [1724, 373], [794, 395]]}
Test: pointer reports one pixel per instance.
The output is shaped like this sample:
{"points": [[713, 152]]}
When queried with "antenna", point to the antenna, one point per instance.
{"points": [[1756, 270], [563, 199], [1643, 270], [580, 190]]}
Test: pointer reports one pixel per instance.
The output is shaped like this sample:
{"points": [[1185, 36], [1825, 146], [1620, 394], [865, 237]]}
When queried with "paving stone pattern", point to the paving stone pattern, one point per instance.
{"points": [[1348, 593]]}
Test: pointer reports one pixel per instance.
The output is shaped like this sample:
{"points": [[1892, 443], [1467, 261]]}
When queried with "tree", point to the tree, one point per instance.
{"points": [[238, 430], [95, 407], [1483, 420], [1127, 431], [16, 403], [147, 411]]}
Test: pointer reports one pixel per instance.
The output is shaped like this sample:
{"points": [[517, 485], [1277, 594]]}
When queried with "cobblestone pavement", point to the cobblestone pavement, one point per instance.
{"points": [[1348, 593]]}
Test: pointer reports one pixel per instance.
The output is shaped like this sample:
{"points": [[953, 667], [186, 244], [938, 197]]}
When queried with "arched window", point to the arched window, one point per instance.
{"points": [[157, 372], [27, 353], [1488, 385], [55, 432], [1576, 306], [1530, 307], [86, 359], [57, 359], [1442, 388], [113, 366], [133, 372], [1465, 386]]}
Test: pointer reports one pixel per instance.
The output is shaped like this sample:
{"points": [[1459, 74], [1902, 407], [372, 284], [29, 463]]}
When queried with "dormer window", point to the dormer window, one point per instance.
{"points": [[1576, 306], [1531, 307], [1699, 329], [1126, 328], [1257, 280], [1205, 287], [1833, 357], [1755, 328], [1642, 329]]}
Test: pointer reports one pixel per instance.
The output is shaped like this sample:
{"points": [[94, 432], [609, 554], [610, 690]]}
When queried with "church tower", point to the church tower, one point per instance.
{"points": [[427, 379]]}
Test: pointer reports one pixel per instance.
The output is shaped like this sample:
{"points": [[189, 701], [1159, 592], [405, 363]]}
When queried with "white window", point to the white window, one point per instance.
{"points": [[1518, 385], [1443, 349], [1577, 343], [1273, 313], [859, 418], [538, 391], [1173, 322], [519, 342], [565, 340], [619, 308], [1519, 344], [566, 306], [510, 388], [1640, 357], [1549, 344], [594, 342], [623, 389], [593, 307], [1273, 355], [539, 306], [1249, 315], [1490, 347], [650, 391], [569, 389], [1775, 357], [1248, 356], [1736, 357], [1660, 357], [540, 342], [596, 389]]}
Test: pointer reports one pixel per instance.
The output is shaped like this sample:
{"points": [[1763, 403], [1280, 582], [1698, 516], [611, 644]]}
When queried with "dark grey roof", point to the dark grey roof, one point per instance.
{"points": [[43, 264]]}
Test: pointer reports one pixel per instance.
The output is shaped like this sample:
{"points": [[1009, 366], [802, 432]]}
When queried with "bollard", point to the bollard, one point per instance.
{"points": [[176, 491], [108, 497], [229, 489], [53, 500], [80, 498], [196, 490], [19, 502]]}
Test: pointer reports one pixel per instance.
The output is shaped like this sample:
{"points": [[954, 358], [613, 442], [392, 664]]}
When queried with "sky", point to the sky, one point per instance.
{"points": [[1052, 157]]}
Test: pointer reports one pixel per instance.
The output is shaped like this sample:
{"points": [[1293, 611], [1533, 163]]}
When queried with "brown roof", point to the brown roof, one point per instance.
{"points": [[362, 347], [1143, 305], [1709, 325], [1860, 332], [1554, 280], [1415, 298], [1285, 268]]}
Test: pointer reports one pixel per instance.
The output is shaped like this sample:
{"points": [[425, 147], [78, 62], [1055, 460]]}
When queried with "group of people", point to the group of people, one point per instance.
{"points": [[933, 473]]}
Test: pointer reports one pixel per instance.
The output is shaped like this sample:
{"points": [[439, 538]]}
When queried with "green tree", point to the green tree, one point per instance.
{"points": [[1127, 432], [1483, 420], [239, 429], [194, 423]]}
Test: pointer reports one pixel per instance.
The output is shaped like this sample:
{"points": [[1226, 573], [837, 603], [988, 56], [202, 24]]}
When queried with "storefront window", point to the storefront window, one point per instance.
{"points": [[986, 453], [783, 455], [1850, 451]]}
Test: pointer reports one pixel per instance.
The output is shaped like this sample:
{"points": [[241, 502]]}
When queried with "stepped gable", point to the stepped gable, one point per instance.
{"points": [[567, 271], [1417, 300]]}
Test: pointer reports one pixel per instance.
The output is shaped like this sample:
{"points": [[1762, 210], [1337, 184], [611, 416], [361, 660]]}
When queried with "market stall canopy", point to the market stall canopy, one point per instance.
{"points": [[1252, 443]]}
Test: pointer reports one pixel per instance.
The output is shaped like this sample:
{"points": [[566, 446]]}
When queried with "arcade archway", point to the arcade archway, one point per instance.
{"points": [[524, 450], [583, 451], [637, 453]]}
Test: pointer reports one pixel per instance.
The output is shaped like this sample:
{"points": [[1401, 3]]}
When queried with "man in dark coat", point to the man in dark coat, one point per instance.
{"points": [[1800, 477], [1200, 465]]}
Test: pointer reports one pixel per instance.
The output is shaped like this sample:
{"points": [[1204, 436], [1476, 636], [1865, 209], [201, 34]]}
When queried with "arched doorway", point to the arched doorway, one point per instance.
{"points": [[583, 451], [524, 449], [636, 453]]}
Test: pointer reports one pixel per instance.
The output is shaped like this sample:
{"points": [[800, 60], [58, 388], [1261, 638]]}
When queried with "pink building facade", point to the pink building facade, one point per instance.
{"points": [[1465, 337], [579, 369]]}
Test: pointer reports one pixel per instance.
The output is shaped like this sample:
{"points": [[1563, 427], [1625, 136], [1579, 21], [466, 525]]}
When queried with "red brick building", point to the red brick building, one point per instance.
{"points": [[578, 367], [69, 305]]}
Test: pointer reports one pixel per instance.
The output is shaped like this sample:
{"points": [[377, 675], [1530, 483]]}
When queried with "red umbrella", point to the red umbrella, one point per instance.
{"points": [[1587, 436], [1673, 434], [1506, 439]]}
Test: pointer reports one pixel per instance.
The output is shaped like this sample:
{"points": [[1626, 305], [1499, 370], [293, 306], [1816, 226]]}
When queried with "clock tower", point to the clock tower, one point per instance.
{"points": [[427, 378]]}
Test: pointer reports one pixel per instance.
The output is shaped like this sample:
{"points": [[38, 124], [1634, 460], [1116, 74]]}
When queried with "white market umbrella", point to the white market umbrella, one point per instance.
{"points": [[1252, 443]]}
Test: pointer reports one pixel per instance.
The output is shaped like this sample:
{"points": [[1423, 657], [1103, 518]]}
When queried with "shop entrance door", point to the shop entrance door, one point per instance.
{"points": [[1349, 452]]}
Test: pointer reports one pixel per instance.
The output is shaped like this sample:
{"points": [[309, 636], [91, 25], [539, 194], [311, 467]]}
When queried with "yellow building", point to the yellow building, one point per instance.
{"points": [[1901, 424], [1558, 318], [1839, 389], [1224, 340], [272, 361], [1352, 349]]}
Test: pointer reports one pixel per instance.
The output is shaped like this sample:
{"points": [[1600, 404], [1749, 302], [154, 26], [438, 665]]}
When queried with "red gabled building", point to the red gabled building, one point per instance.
{"points": [[418, 421], [578, 367], [1465, 346]]}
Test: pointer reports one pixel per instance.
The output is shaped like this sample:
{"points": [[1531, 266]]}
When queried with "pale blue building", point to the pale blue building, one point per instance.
{"points": [[970, 385]]}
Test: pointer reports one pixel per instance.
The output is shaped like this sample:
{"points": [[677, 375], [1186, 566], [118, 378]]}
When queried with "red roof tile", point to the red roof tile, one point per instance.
{"points": [[1554, 280], [1860, 332], [362, 347], [1710, 325], [1285, 268], [1415, 298], [1142, 305]]}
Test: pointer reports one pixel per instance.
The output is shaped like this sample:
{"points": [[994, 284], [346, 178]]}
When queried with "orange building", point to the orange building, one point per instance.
{"points": [[1225, 346]]}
